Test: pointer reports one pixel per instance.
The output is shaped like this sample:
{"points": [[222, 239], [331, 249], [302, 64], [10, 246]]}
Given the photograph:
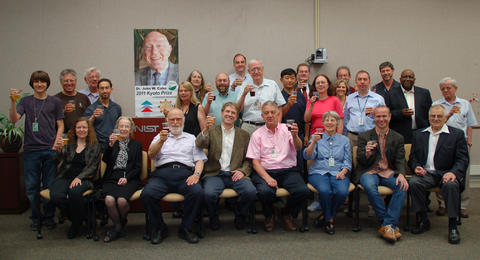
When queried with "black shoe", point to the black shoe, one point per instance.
{"points": [[214, 223], [159, 235], [239, 222], [329, 228], [72, 232], [421, 227], [190, 237], [453, 236], [49, 223], [35, 226]]}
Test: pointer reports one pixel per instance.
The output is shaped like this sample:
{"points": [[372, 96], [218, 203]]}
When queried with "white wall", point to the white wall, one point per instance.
{"points": [[434, 38]]}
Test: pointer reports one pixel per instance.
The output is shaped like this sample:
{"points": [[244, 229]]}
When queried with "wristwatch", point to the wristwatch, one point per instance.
{"points": [[198, 173]]}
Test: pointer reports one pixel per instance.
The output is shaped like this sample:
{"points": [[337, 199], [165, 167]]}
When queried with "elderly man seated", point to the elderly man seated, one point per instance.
{"points": [[179, 164], [439, 157]]}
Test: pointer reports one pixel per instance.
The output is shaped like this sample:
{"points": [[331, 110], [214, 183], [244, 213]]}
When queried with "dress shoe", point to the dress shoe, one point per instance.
{"points": [[388, 233], [188, 236], [441, 211], [49, 223], [214, 223], [158, 236], [269, 223], [289, 223], [329, 228], [421, 227], [239, 222], [453, 236], [464, 213]]}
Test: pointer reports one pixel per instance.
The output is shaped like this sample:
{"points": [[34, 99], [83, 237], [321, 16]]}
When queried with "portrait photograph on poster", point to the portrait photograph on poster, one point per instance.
{"points": [[156, 71]]}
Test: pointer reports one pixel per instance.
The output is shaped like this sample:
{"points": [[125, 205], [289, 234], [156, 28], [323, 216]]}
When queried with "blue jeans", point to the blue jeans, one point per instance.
{"points": [[331, 192], [390, 215], [213, 186], [39, 168]]}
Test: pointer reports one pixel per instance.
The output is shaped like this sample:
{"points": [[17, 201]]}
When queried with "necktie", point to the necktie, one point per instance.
{"points": [[305, 92], [156, 75]]}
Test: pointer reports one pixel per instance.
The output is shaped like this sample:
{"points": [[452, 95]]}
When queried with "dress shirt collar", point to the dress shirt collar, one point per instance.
{"points": [[409, 91], [379, 134], [180, 137], [443, 130], [225, 131]]}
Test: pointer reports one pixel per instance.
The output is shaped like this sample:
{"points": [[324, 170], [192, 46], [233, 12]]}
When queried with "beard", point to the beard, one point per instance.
{"points": [[176, 129]]}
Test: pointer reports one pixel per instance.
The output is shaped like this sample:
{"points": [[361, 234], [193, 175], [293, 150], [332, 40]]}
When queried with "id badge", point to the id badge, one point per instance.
{"points": [[331, 161], [274, 153], [35, 126], [360, 121]]}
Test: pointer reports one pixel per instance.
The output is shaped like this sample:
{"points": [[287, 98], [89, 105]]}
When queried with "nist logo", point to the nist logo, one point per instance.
{"points": [[147, 128]]}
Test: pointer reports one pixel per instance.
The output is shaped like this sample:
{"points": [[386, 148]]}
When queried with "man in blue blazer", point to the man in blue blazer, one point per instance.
{"points": [[439, 157], [409, 105]]}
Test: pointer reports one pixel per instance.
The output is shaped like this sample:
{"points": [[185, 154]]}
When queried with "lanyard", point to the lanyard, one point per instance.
{"points": [[364, 105], [35, 109]]}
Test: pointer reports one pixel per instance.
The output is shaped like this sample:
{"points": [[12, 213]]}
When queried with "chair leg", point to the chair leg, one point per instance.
{"points": [[350, 202], [304, 227], [407, 225], [148, 232], [251, 225], [201, 227], [356, 224], [39, 232], [93, 219], [459, 217]]}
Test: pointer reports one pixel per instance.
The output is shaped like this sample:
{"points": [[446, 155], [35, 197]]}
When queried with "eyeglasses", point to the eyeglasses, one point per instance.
{"points": [[407, 77]]}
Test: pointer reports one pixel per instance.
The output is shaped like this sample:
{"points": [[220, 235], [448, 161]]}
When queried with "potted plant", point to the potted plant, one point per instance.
{"points": [[11, 137]]}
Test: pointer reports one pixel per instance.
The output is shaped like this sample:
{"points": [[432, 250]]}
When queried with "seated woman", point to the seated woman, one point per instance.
{"points": [[332, 161], [122, 176], [80, 156]]}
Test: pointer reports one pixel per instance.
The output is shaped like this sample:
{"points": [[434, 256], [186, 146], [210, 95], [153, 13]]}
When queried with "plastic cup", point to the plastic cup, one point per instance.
{"points": [[290, 123], [252, 92], [165, 126], [73, 103]]}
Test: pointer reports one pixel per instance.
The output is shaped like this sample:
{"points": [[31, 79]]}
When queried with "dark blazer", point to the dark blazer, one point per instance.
{"points": [[423, 102], [213, 142], [92, 160], [395, 152], [141, 76], [451, 153], [382, 90], [134, 161]]}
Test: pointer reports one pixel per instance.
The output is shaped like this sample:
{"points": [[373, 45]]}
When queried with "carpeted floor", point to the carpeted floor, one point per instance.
{"points": [[17, 242]]}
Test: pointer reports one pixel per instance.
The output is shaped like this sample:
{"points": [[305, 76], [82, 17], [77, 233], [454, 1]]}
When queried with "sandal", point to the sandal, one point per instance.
{"points": [[112, 235]]}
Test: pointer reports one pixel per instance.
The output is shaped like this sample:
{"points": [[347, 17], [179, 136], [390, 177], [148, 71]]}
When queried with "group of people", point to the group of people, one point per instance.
{"points": [[257, 137]]}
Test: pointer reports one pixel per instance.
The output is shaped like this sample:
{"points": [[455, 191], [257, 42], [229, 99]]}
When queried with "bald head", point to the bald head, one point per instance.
{"points": [[407, 79], [156, 50], [222, 82]]}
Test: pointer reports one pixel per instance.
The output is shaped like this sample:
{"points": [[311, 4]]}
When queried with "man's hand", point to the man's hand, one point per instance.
{"points": [[247, 89], [292, 99], [340, 175], [449, 176], [97, 112], [210, 97], [237, 82], [192, 180], [271, 182], [75, 182], [420, 171], [163, 135], [407, 112], [369, 148], [403, 182], [369, 111], [294, 130], [237, 175], [69, 107]]}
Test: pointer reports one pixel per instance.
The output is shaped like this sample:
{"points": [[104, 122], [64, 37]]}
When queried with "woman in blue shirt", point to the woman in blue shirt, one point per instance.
{"points": [[332, 161]]}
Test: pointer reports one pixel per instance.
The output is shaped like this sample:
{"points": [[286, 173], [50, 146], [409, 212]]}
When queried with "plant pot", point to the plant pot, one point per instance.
{"points": [[13, 146]]}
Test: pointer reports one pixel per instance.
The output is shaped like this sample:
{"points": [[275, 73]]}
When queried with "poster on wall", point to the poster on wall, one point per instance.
{"points": [[156, 71]]}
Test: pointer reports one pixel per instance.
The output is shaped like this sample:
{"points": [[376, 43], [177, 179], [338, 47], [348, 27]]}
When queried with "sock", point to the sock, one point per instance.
{"points": [[452, 223]]}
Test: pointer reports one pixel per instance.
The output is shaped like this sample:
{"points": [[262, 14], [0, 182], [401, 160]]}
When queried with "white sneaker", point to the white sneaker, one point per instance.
{"points": [[314, 206]]}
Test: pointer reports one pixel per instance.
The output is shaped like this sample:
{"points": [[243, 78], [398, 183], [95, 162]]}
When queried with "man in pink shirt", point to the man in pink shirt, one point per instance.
{"points": [[273, 150]]}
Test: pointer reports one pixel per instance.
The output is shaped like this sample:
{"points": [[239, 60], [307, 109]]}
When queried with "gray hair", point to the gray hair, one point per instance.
{"points": [[90, 70], [341, 68], [435, 107], [270, 103], [254, 61], [67, 71], [448, 79], [129, 119], [331, 114]]}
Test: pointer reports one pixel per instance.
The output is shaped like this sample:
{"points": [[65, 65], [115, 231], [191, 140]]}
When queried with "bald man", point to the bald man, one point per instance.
{"points": [[156, 50]]}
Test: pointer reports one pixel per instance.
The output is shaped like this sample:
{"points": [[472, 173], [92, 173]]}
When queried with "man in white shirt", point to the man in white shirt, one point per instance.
{"points": [[227, 167], [439, 157]]}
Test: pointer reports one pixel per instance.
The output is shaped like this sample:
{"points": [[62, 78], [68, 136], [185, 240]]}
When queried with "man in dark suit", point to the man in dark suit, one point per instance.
{"points": [[381, 161], [227, 166], [439, 157], [156, 50], [384, 87], [409, 105]]}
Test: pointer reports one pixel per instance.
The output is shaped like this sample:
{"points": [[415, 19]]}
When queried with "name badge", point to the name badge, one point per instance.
{"points": [[274, 153], [35, 126], [331, 161], [360, 121]]}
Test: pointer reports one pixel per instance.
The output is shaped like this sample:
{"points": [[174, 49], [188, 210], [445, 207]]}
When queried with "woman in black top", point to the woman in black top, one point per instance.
{"points": [[195, 119], [80, 156], [123, 157]]}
